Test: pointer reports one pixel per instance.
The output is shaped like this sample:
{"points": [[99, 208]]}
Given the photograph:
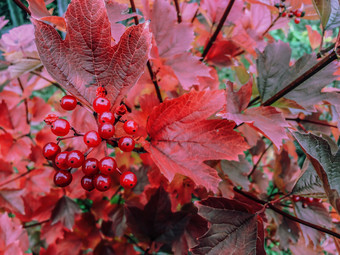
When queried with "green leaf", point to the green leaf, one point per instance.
{"points": [[323, 8], [325, 163]]}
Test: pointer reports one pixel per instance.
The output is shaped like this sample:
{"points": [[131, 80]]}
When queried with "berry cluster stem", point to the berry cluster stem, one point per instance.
{"points": [[148, 64], [218, 29], [25, 101], [287, 215]]}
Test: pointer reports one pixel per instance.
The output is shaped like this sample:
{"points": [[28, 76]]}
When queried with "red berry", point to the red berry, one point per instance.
{"points": [[68, 102], [101, 104], [106, 130], [50, 150], [130, 127], [62, 178], [92, 139], [290, 15], [106, 117], [126, 144], [297, 21], [107, 165], [318, 200], [60, 127], [75, 159], [309, 199], [284, 14], [296, 198], [61, 160], [102, 182], [87, 183], [128, 180], [298, 13], [90, 166]]}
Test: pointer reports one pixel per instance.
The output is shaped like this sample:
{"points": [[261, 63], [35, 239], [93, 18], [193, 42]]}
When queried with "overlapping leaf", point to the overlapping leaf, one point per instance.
{"points": [[86, 59], [274, 73], [182, 137], [234, 229], [325, 163]]}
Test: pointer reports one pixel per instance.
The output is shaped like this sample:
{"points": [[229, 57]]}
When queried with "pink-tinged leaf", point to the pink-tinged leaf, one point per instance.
{"points": [[86, 59], [19, 39], [5, 120], [187, 68], [13, 238], [171, 38], [175, 151], [216, 8], [117, 12], [237, 171], [222, 53], [3, 22], [314, 37], [64, 211], [38, 8], [234, 229], [12, 200], [266, 120]]}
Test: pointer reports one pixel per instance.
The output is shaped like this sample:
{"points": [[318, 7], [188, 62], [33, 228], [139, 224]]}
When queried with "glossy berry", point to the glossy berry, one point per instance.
{"points": [[90, 166], [101, 104], [128, 180], [50, 150], [284, 14], [126, 144], [107, 165], [60, 127], [68, 102], [106, 117], [298, 13], [130, 127], [102, 182], [106, 130], [297, 21], [61, 160], [75, 159], [309, 200], [87, 183], [62, 178], [92, 139], [296, 198]]}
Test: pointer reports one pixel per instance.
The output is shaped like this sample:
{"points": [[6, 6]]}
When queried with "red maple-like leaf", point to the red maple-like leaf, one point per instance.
{"points": [[265, 119], [182, 137], [86, 59]]}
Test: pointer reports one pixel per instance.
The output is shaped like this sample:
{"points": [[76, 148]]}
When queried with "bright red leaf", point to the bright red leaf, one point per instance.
{"points": [[86, 59]]}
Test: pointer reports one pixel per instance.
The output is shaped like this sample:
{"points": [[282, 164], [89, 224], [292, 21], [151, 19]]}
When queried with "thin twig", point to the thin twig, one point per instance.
{"points": [[25, 101], [287, 215], [16, 178], [22, 6], [50, 81], [195, 15], [218, 29], [253, 101], [259, 160], [312, 122], [322, 52], [305, 76], [36, 224], [179, 16], [148, 64], [271, 25]]}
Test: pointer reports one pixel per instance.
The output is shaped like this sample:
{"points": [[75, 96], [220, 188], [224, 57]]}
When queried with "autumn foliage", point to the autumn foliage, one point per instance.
{"points": [[231, 110]]}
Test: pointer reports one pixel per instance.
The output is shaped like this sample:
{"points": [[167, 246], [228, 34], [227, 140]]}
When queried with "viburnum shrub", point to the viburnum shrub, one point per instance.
{"points": [[170, 127]]}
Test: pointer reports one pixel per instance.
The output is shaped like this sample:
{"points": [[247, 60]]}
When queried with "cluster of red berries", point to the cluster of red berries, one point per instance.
{"points": [[291, 13], [97, 173], [306, 200]]}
